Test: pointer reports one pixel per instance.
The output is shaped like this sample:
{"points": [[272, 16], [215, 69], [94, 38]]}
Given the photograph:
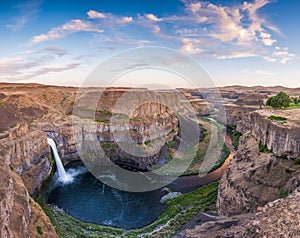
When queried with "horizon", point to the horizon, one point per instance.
{"points": [[134, 87], [237, 42]]}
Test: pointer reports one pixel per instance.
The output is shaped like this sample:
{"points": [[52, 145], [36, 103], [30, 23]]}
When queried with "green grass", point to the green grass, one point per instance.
{"points": [[102, 120], [179, 212], [2, 104], [277, 118], [39, 230], [293, 105], [105, 112], [204, 147]]}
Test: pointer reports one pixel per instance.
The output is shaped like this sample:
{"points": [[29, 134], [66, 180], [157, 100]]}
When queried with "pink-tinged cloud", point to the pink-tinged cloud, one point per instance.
{"points": [[68, 28]]}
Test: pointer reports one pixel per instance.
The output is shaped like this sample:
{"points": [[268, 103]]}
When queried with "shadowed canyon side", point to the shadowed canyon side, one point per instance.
{"points": [[24, 166]]}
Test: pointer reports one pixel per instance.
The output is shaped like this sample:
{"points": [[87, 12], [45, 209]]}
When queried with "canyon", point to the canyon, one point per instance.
{"points": [[263, 168]]}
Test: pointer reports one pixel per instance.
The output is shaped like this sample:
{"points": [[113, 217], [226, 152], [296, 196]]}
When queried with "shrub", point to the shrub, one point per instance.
{"points": [[281, 100], [297, 161], [283, 193], [39, 230], [235, 137], [263, 148]]}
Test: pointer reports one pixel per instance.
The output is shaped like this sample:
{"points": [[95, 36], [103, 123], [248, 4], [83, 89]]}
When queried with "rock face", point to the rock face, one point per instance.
{"points": [[279, 218], [27, 153], [253, 178], [24, 165], [281, 138]]}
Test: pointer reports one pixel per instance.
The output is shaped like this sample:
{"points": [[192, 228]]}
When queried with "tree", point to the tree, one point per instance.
{"points": [[281, 100]]}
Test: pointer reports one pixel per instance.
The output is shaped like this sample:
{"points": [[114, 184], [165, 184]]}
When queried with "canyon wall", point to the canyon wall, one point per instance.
{"points": [[24, 166], [256, 176], [281, 137]]}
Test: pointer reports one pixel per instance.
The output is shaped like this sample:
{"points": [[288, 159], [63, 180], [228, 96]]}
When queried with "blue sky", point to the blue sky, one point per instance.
{"points": [[254, 42]]}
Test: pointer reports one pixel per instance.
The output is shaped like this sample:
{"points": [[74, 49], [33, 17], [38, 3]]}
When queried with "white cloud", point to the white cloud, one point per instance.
{"points": [[237, 55], [269, 59], [236, 25], [156, 29], [283, 55], [94, 14], [43, 71], [28, 10], [126, 19], [259, 72], [52, 49], [195, 7], [191, 46], [266, 39], [264, 72], [153, 17], [280, 55], [17, 65], [109, 19], [66, 29]]}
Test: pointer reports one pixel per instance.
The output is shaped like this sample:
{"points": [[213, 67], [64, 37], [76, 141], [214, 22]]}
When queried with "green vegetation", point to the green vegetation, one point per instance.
{"points": [[293, 105], [263, 148], [235, 136], [105, 112], [295, 102], [39, 230], [2, 104], [281, 100], [297, 161], [179, 211], [211, 143], [101, 120], [225, 154], [283, 193], [67, 226], [102, 111], [277, 118]]}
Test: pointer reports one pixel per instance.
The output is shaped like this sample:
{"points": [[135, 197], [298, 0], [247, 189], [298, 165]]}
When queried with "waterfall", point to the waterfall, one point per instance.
{"points": [[60, 168]]}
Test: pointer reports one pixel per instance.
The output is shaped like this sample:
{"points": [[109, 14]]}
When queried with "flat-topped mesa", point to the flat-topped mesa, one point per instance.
{"points": [[279, 130]]}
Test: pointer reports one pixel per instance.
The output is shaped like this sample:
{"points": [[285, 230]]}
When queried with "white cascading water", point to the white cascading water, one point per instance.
{"points": [[60, 168]]}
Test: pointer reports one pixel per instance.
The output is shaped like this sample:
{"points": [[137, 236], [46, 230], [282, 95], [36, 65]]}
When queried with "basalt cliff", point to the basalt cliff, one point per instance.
{"points": [[264, 169], [31, 113]]}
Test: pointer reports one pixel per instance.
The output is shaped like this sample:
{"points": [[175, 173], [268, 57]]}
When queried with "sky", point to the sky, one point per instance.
{"points": [[252, 42]]}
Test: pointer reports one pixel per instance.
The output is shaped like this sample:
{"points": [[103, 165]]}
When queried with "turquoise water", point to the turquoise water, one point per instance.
{"points": [[89, 200]]}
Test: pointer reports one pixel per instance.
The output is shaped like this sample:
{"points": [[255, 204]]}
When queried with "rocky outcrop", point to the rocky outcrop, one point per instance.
{"points": [[281, 137], [253, 178], [62, 133], [279, 218], [23, 167], [27, 154], [236, 113]]}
